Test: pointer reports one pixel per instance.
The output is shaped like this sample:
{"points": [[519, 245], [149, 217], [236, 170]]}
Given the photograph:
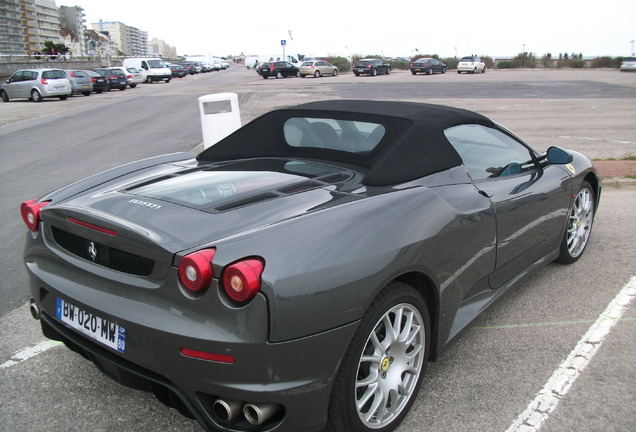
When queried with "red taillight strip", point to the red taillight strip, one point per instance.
{"points": [[91, 226], [221, 358]]}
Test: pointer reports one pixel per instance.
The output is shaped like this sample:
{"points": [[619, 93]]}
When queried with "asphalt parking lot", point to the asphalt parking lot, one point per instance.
{"points": [[493, 378]]}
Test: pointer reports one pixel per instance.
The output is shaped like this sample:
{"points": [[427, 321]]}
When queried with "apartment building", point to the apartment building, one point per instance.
{"points": [[26, 24], [126, 40], [73, 27]]}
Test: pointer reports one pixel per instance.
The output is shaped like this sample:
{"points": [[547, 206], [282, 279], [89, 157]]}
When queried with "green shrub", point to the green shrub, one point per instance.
{"points": [[577, 64], [399, 64], [450, 62], [341, 63], [524, 60], [505, 64]]}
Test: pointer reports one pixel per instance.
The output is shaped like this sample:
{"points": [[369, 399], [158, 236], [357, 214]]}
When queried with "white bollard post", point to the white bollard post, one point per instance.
{"points": [[220, 116]]}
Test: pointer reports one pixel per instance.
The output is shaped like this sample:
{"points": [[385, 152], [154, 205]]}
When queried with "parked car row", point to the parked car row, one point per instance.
{"points": [[283, 69], [37, 84], [317, 67]]}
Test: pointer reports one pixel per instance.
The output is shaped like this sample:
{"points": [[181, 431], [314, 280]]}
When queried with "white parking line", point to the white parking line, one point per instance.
{"points": [[546, 401], [27, 353]]}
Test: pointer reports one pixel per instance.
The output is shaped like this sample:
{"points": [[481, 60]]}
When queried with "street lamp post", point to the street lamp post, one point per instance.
{"points": [[523, 54]]}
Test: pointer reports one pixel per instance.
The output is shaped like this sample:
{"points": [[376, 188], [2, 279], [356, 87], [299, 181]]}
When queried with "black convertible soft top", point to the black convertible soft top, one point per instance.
{"points": [[413, 146]]}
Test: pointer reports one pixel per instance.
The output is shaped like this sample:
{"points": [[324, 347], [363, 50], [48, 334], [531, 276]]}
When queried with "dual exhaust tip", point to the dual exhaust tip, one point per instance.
{"points": [[256, 414]]}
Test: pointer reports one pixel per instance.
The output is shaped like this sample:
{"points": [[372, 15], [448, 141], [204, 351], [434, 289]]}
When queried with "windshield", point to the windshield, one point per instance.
{"points": [[156, 64]]}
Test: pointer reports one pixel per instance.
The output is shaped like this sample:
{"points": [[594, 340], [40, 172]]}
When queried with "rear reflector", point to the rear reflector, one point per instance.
{"points": [[222, 358]]}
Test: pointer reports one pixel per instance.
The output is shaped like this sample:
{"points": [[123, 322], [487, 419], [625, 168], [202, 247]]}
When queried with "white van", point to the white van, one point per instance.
{"points": [[152, 68]]}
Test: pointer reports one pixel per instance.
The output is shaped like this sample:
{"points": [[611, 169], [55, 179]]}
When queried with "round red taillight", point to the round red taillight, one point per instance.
{"points": [[195, 270], [30, 211], [242, 280]]}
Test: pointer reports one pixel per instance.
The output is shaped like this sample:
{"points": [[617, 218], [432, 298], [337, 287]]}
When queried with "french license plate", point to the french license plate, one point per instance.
{"points": [[85, 85], [99, 329]]}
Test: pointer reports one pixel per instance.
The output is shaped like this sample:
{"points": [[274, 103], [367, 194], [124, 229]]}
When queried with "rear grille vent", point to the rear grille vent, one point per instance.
{"points": [[103, 255]]}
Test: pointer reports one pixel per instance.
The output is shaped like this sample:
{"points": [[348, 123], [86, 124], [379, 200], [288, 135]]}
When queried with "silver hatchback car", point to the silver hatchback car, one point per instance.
{"points": [[36, 84], [81, 83]]}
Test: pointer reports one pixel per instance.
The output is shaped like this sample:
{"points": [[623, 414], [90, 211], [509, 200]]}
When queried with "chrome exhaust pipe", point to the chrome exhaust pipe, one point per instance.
{"points": [[257, 414], [227, 410], [35, 310]]}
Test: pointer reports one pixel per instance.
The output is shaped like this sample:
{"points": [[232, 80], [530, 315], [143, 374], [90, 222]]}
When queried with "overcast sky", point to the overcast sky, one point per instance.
{"points": [[495, 28]]}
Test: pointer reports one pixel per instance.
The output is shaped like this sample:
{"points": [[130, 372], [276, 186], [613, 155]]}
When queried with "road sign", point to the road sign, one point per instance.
{"points": [[283, 42]]}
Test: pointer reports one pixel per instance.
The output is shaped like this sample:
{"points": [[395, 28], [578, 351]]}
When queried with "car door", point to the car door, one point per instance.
{"points": [[12, 86], [530, 202]]}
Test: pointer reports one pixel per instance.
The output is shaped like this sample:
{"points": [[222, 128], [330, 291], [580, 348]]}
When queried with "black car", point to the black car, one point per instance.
{"points": [[371, 67], [278, 69], [100, 83], [178, 71], [116, 78], [428, 66], [191, 67], [300, 274]]}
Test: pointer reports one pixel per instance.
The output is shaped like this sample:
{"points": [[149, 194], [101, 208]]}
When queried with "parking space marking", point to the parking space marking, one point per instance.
{"points": [[546, 401], [27, 353]]}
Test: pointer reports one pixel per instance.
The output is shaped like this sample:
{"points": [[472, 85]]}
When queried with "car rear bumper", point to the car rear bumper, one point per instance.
{"points": [[296, 376], [49, 92]]}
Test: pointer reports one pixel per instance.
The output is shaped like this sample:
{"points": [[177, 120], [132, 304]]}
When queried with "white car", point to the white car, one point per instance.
{"points": [[629, 64], [133, 75], [471, 64]]}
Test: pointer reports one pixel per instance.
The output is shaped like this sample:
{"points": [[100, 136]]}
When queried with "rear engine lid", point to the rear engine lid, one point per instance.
{"points": [[194, 206]]}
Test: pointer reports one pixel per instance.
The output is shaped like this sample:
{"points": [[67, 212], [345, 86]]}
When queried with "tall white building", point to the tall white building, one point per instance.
{"points": [[128, 41]]}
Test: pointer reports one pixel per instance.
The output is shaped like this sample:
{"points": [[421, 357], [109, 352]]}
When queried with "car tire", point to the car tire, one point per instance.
{"points": [[122, 88], [458, 72], [474, 70], [443, 70], [414, 73], [579, 225], [63, 97], [4, 96], [36, 96], [429, 72], [133, 85], [374, 72], [335, 72], [265, 77], [356, 73], [86, 93], [392, 363], [279, 75], [317, 74], [483, 70]]}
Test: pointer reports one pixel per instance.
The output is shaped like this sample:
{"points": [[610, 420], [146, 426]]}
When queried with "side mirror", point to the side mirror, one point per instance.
{"points": [[559, 156]]}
